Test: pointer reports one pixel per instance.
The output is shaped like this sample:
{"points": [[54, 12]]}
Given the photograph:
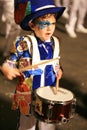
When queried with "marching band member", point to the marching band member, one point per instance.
{"points": [[31, 50]]}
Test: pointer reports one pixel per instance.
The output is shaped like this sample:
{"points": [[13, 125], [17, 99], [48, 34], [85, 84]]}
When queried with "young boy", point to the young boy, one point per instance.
{"points": [[34, 58]]}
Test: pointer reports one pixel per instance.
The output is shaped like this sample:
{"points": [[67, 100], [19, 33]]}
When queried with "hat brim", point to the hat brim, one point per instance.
{"points": [[24, 24]]}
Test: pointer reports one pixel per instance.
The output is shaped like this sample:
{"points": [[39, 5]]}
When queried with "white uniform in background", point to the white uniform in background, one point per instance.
{"points": [[76, 18], [57, 2], [12, 29], [65, 3]]}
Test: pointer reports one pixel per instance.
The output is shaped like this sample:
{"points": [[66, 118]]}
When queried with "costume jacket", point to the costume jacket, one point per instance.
{"points": [[31, 51]]}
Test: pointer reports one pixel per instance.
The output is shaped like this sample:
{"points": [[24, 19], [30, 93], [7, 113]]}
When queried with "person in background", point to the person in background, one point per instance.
{"points": [[76, 18], [65, 3], [32, 50], [12, 29], [58, 2]]}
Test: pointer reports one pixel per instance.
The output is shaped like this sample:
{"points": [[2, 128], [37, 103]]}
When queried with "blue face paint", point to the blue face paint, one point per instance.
{"points": [[44, 24]]}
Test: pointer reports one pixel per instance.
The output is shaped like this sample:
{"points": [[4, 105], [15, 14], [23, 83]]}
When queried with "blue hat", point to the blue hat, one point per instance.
{"points": [[28, 10]]}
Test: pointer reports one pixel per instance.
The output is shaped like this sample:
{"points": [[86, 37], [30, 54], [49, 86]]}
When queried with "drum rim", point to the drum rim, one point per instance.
{"points": [[52, 101], [55, 102]]}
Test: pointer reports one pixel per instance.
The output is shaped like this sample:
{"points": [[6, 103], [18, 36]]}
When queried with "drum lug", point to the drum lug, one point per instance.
{"points": [[63, 120]]}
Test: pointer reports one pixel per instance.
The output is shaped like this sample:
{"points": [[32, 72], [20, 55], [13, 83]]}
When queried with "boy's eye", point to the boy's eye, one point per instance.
{"points": [[43, 24], [46, 23]]}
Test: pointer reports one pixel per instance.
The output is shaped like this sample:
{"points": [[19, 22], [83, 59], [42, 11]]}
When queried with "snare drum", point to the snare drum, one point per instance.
{"points": [[53, 108]]}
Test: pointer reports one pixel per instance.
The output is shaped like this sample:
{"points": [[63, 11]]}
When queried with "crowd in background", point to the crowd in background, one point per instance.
{"points": [[75, 13]]}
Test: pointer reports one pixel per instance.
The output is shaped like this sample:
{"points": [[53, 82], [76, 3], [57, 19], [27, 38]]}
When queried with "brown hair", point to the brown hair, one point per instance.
{"points": [[42, 17]]}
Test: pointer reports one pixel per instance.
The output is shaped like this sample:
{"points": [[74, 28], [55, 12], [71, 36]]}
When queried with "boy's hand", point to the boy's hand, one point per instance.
{"points": [[9, 72], [60, 73]]}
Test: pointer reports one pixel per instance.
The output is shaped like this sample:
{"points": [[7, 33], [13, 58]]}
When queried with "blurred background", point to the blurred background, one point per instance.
{"points": [[73, 53]]}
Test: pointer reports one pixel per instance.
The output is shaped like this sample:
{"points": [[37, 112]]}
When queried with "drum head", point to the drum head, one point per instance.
{"points": [[63, 95]]}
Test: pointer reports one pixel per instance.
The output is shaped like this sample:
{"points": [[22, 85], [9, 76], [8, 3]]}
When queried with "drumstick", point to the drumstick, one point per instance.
{"points": [[57, 84], [34, 66], [55, 89]]}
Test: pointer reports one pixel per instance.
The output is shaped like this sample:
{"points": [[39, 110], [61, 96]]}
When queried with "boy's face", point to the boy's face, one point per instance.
{"points": [[45, 27]]}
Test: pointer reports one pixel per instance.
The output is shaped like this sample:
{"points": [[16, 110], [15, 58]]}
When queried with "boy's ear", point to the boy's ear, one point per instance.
{"points": [[31, 25]]}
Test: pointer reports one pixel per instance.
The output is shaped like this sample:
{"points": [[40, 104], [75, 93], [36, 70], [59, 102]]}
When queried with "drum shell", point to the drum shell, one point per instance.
{"points": [[52, 111]]}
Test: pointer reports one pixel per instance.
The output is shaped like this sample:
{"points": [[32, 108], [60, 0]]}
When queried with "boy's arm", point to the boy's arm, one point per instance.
{"points": [[19, 57], [8, 66], [9, 72]]}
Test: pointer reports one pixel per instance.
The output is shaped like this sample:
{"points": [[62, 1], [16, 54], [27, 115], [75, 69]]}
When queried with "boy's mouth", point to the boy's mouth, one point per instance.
{"points": [[48, 33]]}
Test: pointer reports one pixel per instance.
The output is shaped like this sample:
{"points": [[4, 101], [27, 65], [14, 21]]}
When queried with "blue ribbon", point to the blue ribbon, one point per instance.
{"points": [[36, 72]]}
